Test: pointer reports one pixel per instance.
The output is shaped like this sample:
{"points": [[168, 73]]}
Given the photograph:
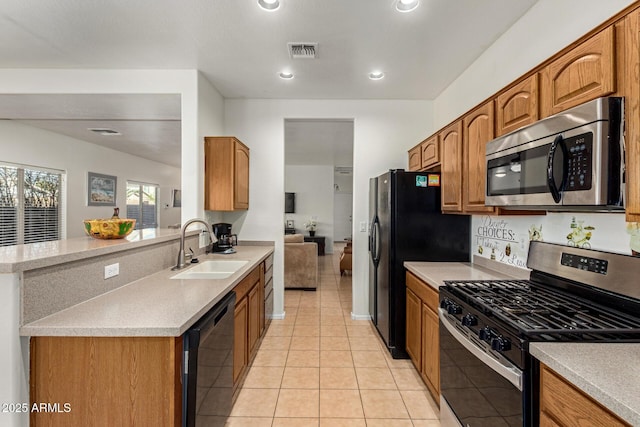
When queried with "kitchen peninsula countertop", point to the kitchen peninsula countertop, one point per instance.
{"points": [[18, 258], [608, 372], [435, 273], [155, 305]]}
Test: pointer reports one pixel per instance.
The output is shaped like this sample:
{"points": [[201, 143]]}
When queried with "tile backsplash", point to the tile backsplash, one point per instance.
{"points": [[506, 238]]}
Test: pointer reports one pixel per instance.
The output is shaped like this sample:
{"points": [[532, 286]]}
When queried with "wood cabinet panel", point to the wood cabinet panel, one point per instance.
{"points": [[567, 406], [517, 106], [241, 182], [240, 339], [451, 167], [226, 174], [414, 329], [430, 152], [107, 380], [631, 77], [426, 293], [415, 158], [253, 300], [431, 350], [477, 130], [584, 73]]}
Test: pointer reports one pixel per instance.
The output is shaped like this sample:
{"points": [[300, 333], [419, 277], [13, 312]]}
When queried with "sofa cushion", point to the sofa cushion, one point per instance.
{"points": [[293, 238]]}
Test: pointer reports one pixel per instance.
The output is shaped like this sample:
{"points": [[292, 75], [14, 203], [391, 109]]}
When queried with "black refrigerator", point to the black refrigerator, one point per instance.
{"points": [[406, 225]]}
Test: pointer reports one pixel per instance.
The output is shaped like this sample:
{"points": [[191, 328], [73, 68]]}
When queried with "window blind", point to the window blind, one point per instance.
{"points": [[142, 204]]}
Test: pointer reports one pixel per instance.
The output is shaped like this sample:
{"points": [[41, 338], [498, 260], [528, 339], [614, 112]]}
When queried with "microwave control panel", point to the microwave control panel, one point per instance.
{"points": [[580, 162]]}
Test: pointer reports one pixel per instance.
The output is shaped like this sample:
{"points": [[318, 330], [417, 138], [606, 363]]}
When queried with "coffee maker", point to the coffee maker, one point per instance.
{"points": [[226, 240]]}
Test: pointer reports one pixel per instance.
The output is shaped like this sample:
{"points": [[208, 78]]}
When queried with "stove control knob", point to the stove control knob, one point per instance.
{"points": [[485, 334], [500, 344], [469, 320], [445, 303], [454, 309]]}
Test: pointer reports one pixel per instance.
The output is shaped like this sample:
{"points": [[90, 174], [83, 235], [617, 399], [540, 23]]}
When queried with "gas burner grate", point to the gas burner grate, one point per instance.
{"points": [[538, 310]]}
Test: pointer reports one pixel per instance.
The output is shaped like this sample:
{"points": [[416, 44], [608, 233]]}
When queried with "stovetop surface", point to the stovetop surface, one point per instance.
{"points": [[536, 310]]}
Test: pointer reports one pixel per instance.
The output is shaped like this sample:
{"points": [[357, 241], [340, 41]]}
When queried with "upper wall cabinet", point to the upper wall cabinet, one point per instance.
{"points": [[415, 158], [477, 130], [631, 76], [517, 106], [584, 73], [430, 152], [226, 174], [451, 167]]}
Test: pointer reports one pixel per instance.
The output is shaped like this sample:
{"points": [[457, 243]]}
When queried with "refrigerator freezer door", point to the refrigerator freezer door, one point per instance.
{"points": [[373, 207], [383, 292]]}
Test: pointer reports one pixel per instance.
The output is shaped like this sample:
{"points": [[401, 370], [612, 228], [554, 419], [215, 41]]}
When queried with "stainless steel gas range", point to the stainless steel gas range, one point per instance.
{"points": [[487, 376]]}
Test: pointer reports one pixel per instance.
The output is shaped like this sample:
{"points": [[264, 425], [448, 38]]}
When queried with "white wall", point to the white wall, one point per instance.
{"points": [[31, 146], [547, 27], [383, 132], [313, 185]]}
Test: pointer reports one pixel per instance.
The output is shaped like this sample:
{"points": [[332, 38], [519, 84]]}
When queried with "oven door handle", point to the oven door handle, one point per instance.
{"points": [[509, 372]]}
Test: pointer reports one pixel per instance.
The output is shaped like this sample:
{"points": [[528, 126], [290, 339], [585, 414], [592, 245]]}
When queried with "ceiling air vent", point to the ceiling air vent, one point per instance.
{"points": [[344, 170], [303, 50], [105, 131]]}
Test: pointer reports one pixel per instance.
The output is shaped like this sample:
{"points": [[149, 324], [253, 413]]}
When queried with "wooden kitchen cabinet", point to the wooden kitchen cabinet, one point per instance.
{"points": [[422, 332], [415, 158], [414, 328], [584, 73], [517, 106], [631, 77], [226, 174], [564, 405], [430, 152], [477, 130], [451, 167], [248, 323], [109, 381]]}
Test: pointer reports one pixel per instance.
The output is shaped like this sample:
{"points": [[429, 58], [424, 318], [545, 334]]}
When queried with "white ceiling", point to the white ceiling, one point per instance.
{"points": [[241, 49]]}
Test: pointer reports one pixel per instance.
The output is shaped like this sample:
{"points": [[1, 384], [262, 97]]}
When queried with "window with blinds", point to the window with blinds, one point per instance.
{"points": [[30, 205], [141, 204]]}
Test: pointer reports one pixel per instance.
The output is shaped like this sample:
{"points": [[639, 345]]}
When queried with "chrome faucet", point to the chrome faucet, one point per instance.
{"points": [[181, 264]]}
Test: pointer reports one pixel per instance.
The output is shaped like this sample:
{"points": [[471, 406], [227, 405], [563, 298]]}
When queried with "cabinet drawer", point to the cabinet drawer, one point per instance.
{"points": [[424, 291], [568, 406], [268, 275], [268, 287], [268, 262], [246, 284]]}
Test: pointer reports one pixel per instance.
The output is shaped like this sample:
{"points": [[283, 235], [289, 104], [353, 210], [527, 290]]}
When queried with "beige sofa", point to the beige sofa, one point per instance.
{"points": [[300, 263]]}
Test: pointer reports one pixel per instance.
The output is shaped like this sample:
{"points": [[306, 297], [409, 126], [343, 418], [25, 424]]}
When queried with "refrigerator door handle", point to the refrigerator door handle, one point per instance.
{"points": [[377, 241]]}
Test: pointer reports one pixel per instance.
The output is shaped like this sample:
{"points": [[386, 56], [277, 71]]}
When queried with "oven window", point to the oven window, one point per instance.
{"points": [[519, 173], [478, 396]]}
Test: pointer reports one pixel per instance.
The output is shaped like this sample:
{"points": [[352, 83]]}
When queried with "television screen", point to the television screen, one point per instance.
{"points": [[289, 202]]}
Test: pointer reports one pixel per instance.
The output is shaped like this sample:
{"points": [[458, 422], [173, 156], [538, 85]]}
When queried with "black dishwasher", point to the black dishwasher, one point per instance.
{"points": [[208, 366]]}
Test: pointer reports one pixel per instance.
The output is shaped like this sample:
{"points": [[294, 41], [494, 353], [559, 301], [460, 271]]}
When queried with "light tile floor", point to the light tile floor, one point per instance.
{"points": [[318, 367]]}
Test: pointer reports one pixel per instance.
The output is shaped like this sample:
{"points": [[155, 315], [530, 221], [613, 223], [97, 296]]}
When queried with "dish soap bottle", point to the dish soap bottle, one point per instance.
{"points": [[116, 213]]}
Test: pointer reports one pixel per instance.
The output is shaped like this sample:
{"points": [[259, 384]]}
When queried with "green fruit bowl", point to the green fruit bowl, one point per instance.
{"points": [[109, 228]]}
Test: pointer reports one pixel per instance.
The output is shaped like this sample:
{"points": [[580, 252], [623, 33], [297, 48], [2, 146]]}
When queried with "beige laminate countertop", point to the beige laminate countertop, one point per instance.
{"points": [[155, 305], [435, 273], [608, 372], [44, 254]]}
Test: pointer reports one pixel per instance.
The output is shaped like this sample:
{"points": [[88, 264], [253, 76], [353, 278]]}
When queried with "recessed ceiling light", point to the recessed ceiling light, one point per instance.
{"points": [[376, 75], [286, 75], [105, 131], [406, 5], [269, 5]]}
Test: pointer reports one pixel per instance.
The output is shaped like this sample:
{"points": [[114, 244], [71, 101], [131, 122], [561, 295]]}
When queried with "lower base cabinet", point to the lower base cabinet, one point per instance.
{"points": [[422, 337], [563, 405], [106, 381]]}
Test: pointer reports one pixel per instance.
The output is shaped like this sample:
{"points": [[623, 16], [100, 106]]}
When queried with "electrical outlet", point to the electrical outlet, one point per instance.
{"points": [[111, 270], [363, 226]]}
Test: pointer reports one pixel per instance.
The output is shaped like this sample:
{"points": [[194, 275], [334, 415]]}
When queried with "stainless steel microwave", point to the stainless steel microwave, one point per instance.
{"points": [[573, 160]]}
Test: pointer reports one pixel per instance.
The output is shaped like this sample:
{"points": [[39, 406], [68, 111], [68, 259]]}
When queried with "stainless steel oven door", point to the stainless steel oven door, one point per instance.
{"points": [[477, 388]]}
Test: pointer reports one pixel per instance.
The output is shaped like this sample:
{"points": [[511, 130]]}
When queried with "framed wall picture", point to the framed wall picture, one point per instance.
{"points": [[101, 189], [176, 198]]}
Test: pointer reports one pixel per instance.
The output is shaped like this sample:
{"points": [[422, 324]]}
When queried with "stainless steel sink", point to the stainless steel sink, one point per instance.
{"points": [[213, 269]]}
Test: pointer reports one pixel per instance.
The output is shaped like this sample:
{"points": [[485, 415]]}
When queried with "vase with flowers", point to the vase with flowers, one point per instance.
{"points": [[311, 226]]}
